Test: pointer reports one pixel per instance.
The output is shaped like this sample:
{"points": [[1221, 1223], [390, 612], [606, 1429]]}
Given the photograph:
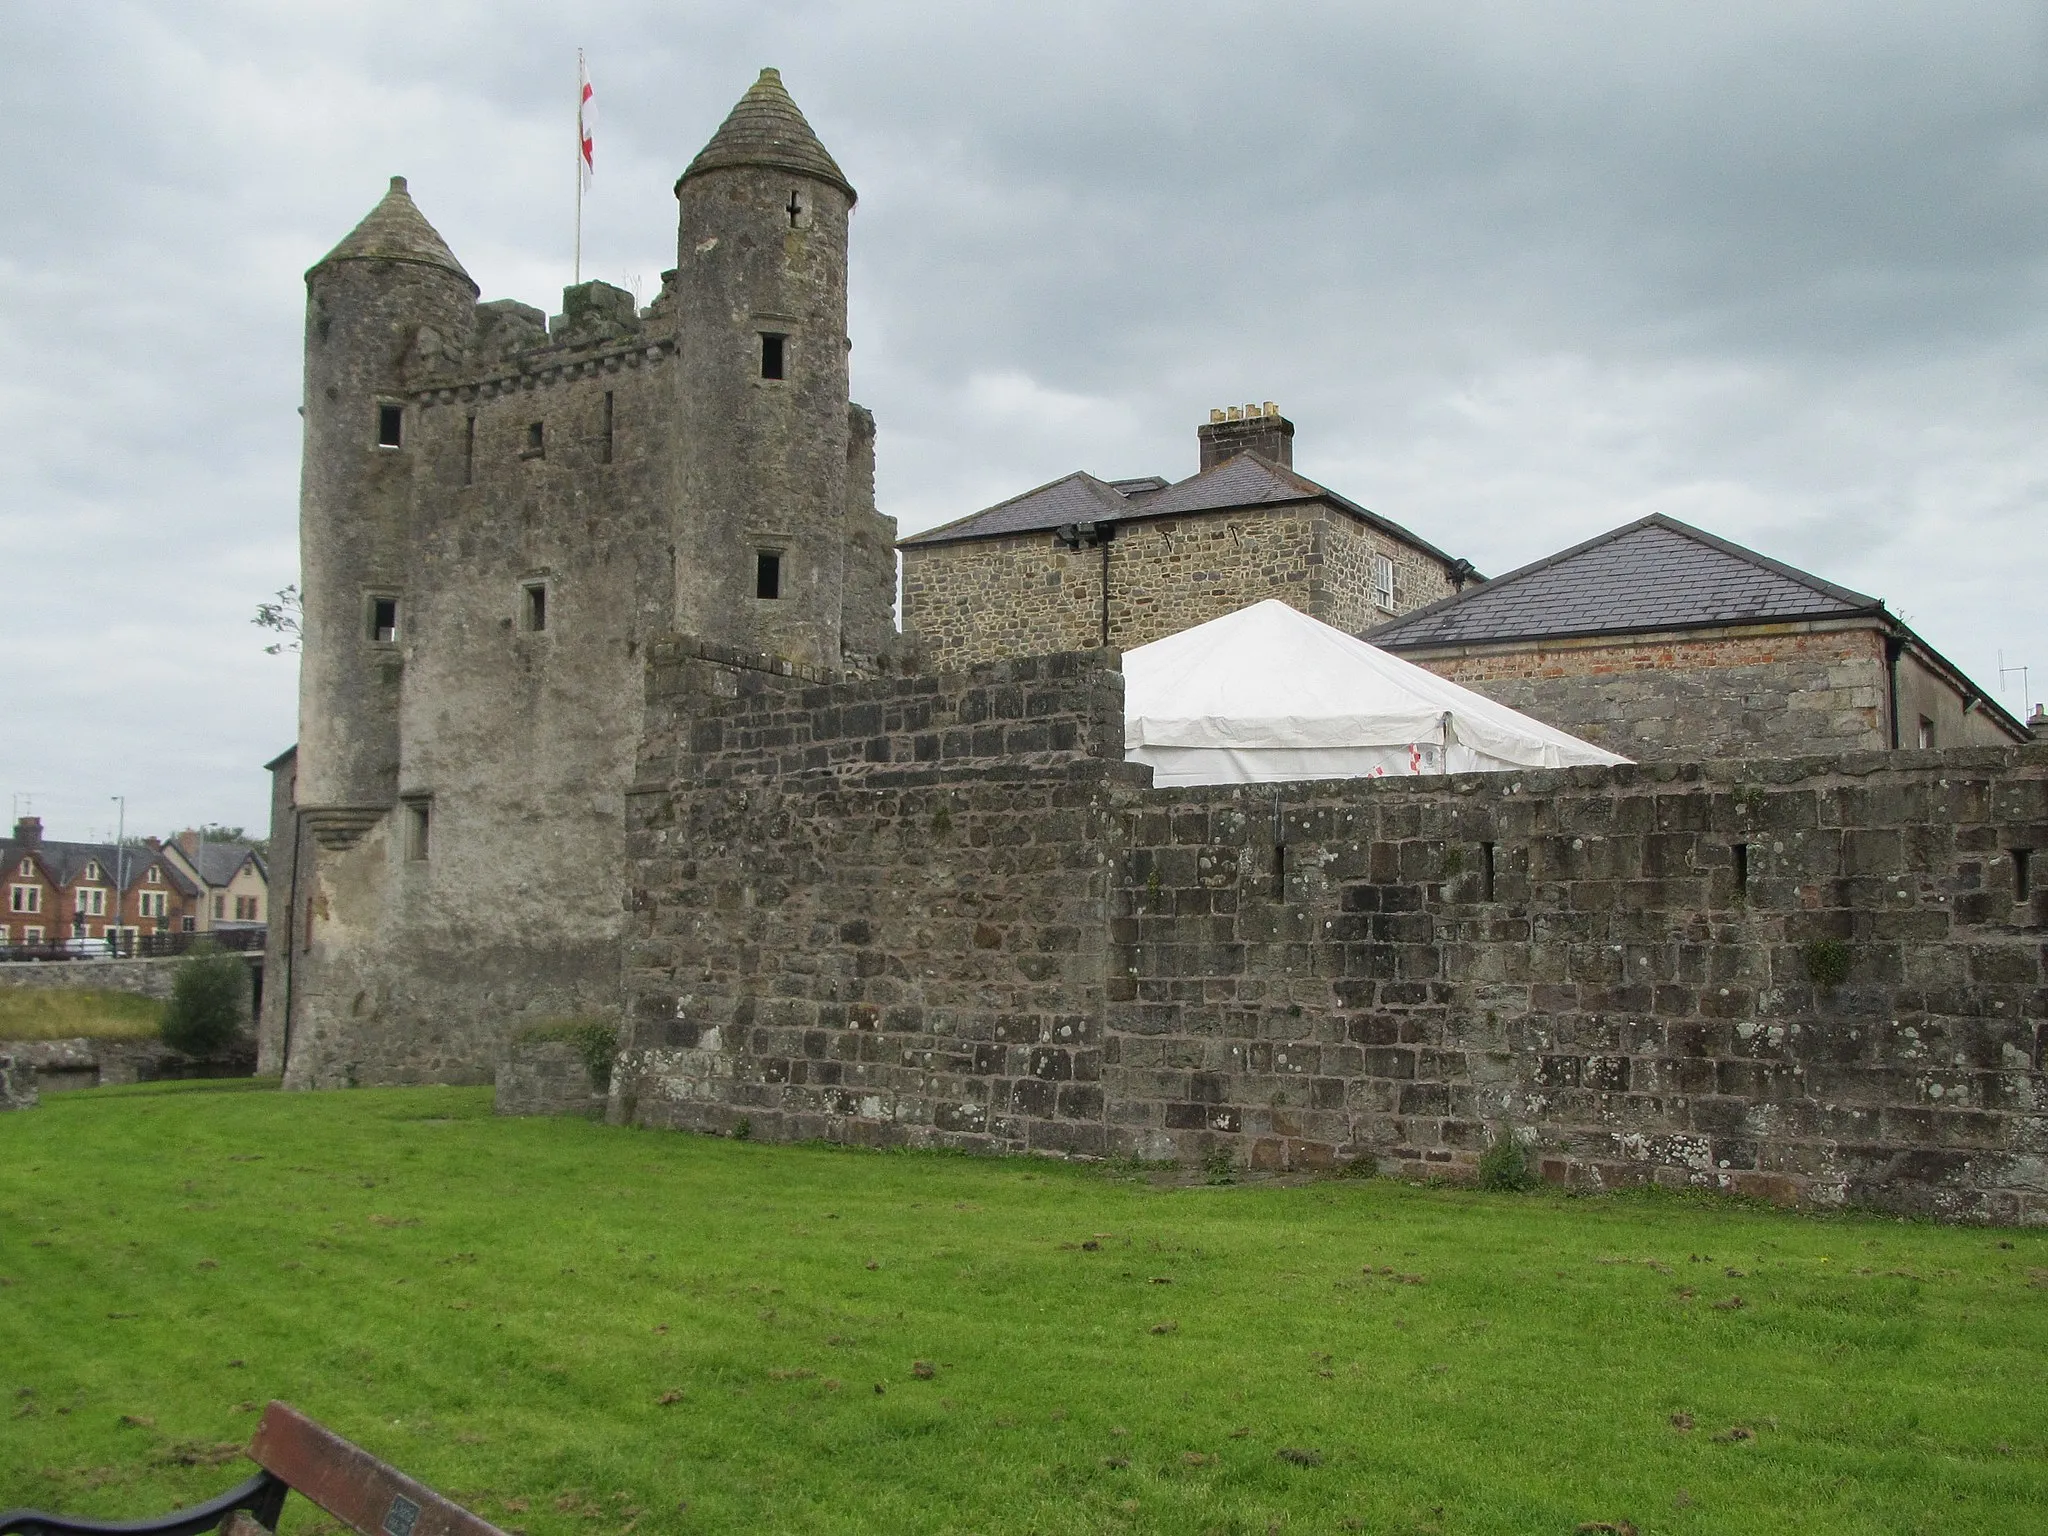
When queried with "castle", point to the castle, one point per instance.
{"points": [[603, 713], [499, 513]]}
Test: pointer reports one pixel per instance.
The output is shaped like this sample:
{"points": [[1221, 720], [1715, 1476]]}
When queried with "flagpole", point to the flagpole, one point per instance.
{"points": [[579, 166]]}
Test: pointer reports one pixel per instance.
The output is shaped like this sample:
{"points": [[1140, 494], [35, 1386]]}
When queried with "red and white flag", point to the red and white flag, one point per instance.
{"points": [[586, 121]]}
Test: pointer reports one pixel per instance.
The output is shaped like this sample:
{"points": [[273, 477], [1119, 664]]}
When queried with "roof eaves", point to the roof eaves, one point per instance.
{"points": [[961, 529], [1388, 642]]}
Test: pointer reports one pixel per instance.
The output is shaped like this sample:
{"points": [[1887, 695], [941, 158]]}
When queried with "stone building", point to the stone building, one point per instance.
{"points": [[499, 512], [1662, 642], [1085, 562]]}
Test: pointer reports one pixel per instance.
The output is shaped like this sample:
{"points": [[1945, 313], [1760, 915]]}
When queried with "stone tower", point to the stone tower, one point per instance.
{"points": [[386, 301], [761, 395], [503, 512]]}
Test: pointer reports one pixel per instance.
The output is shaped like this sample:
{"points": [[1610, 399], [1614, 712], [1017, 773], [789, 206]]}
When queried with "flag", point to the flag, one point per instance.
{"points": [[586, 121]]}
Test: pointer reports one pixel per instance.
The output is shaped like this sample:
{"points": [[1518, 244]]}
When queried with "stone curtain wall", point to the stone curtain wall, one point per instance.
{"points": [[1693, 698], [1810, 981], [833, 936]]}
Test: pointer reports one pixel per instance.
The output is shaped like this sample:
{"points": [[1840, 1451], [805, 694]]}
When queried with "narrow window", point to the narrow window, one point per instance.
{"points": [[768, 574], [220, 908], [794, 208], [1279, 871], [1926, 734], [771, 355], [1383, 582], [1741, 852], [418, 821], [2022, 875], [536, 605], [604, 447], [384, 620], [1486, 871], [390, 426], [536, 441], [469, 452]]}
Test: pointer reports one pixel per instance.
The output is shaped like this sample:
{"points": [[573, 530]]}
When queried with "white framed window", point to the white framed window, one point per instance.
{"points": [[92, 870], [28, 868], [1383, 582], [153, 904], [92, 901], [245, 909], [24, 898], [31, 935], [154, 877], [188, 923]]}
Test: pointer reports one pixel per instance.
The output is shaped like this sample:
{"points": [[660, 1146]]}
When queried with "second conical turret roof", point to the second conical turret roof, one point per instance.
{"points": [[766, 129], [396, 230]]}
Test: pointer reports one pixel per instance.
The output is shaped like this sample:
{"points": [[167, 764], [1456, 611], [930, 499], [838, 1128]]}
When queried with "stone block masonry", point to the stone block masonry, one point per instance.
{"points": [[869, 911]]}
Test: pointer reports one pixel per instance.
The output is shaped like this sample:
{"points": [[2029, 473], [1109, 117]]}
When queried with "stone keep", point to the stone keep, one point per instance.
{"points": [[498, 512]]}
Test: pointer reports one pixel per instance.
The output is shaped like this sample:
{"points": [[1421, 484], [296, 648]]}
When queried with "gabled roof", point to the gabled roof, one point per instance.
{"points": [[65, 863], [1651, 575], [219, 863], [765, 128], [1245, 480]]}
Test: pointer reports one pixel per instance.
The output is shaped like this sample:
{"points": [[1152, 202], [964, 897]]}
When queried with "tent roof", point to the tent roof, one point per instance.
{"points": [[1269, 676]]}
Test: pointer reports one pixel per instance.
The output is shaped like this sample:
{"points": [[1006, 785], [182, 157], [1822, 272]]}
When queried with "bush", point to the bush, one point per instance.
{"points": [[209, 997], [1506, 1164], [595, 1041]]}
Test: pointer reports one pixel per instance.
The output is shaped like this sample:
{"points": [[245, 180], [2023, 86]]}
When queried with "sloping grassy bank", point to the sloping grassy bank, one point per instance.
{"points": [[583, 1329], [64, 1013]]}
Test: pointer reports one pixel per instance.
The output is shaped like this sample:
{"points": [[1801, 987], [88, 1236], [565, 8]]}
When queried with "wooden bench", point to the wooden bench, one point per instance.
{"points": [[297, 1456]]}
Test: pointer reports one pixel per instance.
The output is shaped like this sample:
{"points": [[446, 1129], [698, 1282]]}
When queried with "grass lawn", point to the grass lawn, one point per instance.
{"points": [[63, 1013], [580, 1329]]}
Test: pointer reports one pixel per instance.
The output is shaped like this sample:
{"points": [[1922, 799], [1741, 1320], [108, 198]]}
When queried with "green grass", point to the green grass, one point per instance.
{"points": [[581, 1329], [64, 1013]]}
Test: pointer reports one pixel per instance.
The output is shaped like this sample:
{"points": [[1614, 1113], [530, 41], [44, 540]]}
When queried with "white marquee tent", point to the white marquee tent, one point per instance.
{"points": [[1268, 693]]}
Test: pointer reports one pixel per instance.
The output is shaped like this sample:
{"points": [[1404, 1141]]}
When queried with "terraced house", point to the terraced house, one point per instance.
{"points": [[65, 890]]}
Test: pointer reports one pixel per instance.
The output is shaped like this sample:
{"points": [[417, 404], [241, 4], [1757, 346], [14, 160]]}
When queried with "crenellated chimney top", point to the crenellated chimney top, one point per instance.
{"points": [[1250, 428]]}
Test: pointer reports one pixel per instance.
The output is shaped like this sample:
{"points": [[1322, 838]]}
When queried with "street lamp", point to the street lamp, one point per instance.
{"points": [[120, 869]]}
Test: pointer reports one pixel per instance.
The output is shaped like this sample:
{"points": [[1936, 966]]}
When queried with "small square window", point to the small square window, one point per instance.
{"points": [[418, 824], [771, 354], [768, 573], [390, 426], [384, 620], [535, 607]]}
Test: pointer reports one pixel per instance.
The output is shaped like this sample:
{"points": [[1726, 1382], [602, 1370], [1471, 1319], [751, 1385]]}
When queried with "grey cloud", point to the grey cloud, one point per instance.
{"points": [[1518, 273]]}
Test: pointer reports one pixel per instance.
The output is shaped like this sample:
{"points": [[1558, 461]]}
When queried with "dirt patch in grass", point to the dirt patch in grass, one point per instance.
{"points": [[64, 1013]]}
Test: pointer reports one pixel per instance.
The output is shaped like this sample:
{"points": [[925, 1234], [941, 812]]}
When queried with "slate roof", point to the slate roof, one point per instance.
{"points": [[1244, 480], [1655, 574], [396, 230], [218, 863], [765, 128], [65, 862]]}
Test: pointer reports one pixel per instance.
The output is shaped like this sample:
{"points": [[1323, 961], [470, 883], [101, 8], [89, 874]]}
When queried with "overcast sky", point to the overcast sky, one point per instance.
{"points": [[1518, 273]]}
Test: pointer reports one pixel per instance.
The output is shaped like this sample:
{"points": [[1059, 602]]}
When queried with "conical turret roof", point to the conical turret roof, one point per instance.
{"points": [[767, 129], [396, 230]]}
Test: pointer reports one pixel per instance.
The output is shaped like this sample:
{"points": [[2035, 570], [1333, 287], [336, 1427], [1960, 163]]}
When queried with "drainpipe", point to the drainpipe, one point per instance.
{"points": [[1076, 535], [1894, 647]]}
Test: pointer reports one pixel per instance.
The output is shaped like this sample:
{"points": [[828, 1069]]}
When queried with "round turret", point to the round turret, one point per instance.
{"points": [[386, 307], [762, 383]]}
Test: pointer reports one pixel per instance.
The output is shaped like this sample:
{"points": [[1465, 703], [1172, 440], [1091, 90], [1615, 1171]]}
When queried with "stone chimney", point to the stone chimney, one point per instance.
{"points": [[2037, 722], [1252, 428], [29, 831], [189, 841]]}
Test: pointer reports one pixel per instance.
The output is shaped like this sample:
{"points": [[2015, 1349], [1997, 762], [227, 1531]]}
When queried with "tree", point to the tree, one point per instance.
{"points": [[209, 995], [282, 619]]}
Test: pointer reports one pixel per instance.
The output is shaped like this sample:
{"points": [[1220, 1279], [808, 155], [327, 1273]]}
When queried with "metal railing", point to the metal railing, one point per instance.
{"points": [[137, 946]]}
